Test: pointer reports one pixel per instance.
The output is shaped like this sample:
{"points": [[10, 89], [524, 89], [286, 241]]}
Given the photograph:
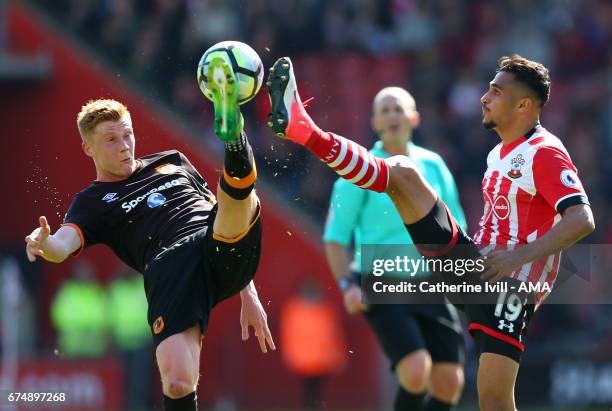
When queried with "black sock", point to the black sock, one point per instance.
{"points": [[239, 172], [433, 404], [421, 231], [188, 403], [405, 401]]}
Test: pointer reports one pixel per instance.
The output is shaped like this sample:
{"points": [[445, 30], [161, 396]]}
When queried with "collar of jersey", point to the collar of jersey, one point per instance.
{"points": [[507, 149], [138, 167]]}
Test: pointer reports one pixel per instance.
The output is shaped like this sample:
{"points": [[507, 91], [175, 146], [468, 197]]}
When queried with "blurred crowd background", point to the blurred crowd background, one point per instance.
{"points": [[443, 51]]}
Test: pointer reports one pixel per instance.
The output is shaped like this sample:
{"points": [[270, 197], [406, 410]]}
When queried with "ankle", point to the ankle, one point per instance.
{"points": [[319, 141], [303, 129]]}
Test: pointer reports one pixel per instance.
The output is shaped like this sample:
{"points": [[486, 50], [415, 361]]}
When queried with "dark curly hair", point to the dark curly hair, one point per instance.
{"points": [[531, 73]]}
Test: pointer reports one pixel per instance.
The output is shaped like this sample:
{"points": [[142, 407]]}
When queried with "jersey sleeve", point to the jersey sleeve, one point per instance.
{"points": [[344, 208], [82, 217], [450, 195], [556, 179], [197, 179]]}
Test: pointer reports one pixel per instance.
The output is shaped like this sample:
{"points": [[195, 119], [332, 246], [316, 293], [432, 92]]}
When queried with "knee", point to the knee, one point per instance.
{"points": [[447, 382], [178, 360], [413, 371], [401, 170], [175, 386]]}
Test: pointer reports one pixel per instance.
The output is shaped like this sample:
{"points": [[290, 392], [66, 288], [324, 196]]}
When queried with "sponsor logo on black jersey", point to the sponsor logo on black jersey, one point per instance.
{"points": [[155, 200], [152, 201]]}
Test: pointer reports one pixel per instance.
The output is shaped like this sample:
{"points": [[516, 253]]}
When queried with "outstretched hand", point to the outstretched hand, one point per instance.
{"points": [[353, 298], [253, 314], [36, 240]]}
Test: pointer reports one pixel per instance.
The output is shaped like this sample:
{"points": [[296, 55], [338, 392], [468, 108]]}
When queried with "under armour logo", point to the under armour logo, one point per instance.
{"points": [[503, 324]]}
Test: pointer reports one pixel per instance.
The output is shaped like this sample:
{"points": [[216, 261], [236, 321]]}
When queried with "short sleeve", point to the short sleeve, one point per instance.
{"points": [[82, 217], [199, 182], [344, 208], [556, 179]]}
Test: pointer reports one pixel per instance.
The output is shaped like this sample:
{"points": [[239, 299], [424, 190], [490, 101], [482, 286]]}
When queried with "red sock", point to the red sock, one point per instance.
{"points": [[350, 160]]}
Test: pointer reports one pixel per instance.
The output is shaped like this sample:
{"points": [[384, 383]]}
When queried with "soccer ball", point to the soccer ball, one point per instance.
{"points": [[244, 61]]}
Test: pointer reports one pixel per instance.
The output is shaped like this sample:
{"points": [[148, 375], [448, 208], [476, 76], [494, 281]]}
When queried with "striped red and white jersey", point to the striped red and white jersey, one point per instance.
{"points": [[527, 186]]}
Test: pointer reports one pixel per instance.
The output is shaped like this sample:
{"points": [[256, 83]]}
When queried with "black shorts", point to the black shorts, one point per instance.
{"points": [[187, 280], [501, 328], [498, 327], [404, 328]]}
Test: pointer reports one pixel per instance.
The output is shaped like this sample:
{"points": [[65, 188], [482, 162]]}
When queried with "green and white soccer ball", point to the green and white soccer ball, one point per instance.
{"points": [[244, 61]]}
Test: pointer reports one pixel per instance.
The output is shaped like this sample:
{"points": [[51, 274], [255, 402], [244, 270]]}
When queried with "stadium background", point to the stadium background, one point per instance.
{"points": [[54, 55]]}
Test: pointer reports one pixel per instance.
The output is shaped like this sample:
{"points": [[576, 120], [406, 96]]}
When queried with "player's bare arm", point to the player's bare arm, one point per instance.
{"points": [[52, 247], [576, 223], [253, 314], [339, 262]]}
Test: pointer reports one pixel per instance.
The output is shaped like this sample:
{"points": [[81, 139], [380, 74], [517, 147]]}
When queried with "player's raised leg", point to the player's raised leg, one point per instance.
{"points": [[237, 227], [236, 198], [397, 176], [289, 120], [178, 359]]}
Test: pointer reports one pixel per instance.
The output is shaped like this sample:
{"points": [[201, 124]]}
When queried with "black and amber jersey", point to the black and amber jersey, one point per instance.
{"points": [[162, 202]]}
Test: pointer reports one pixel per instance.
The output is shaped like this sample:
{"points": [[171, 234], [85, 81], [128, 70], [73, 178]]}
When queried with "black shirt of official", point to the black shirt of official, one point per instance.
{"points": [[162, 202]]}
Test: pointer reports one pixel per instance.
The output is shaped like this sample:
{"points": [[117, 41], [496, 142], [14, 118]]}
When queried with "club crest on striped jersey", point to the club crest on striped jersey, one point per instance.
{"points": [[166, 168], [515, 167]]}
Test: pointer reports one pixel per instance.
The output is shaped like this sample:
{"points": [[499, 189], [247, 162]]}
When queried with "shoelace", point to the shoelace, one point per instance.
{"points": [[308, 100]]}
